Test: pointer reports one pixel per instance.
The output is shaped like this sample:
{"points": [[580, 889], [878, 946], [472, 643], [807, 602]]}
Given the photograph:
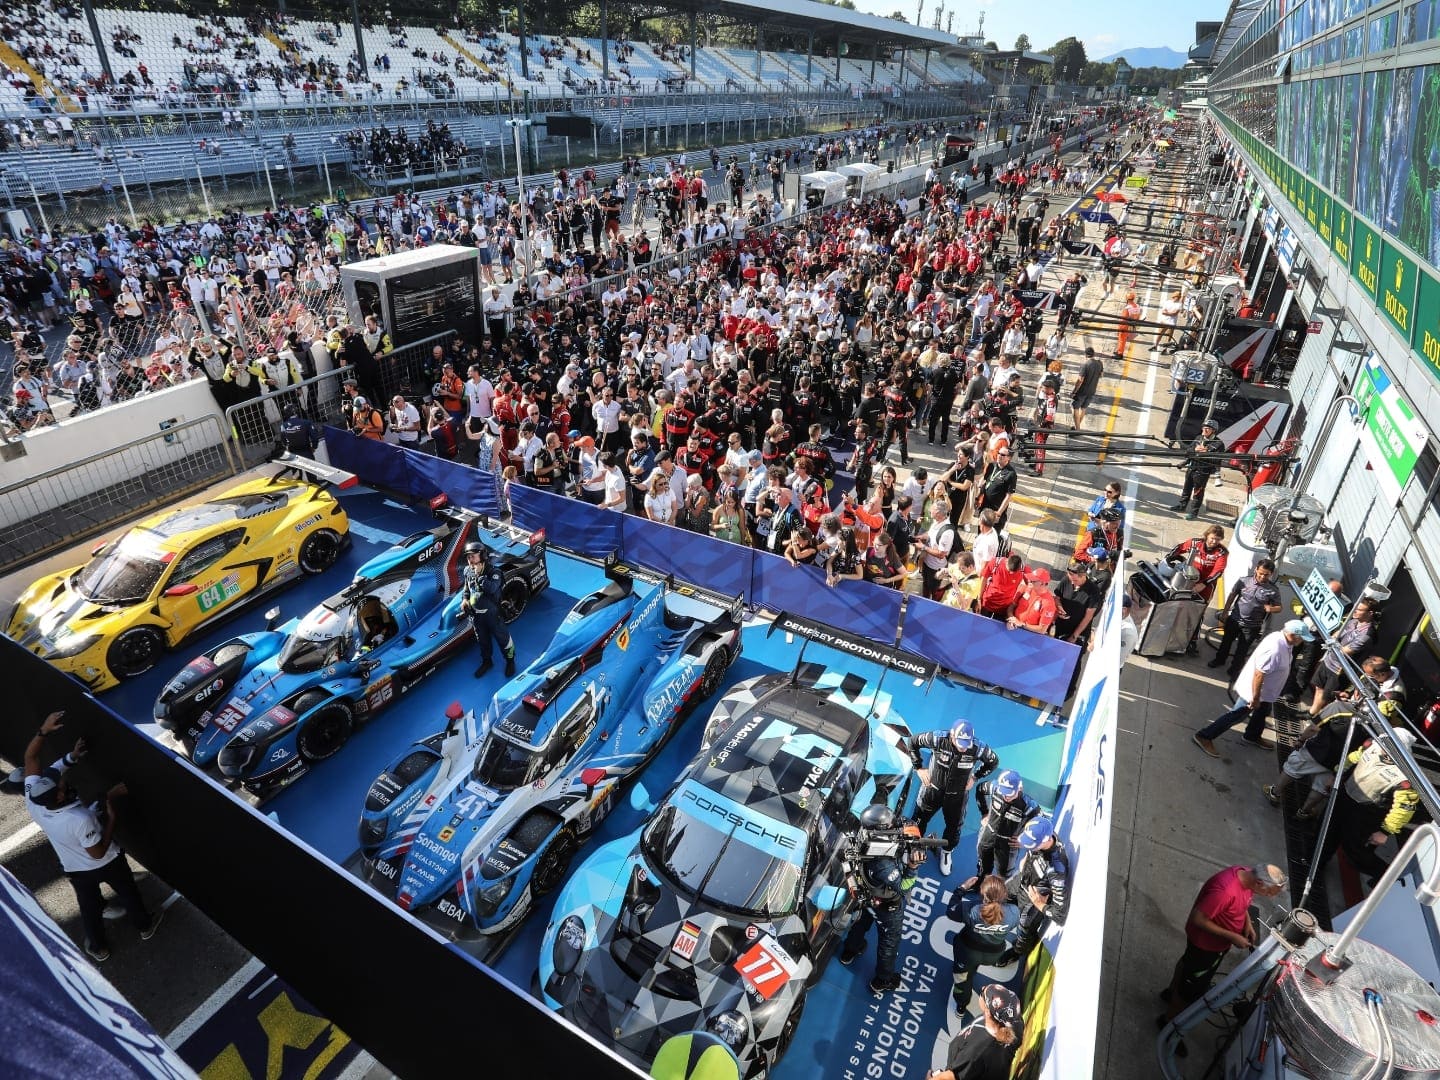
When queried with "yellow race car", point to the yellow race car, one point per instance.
{"points": [[180, 571]]}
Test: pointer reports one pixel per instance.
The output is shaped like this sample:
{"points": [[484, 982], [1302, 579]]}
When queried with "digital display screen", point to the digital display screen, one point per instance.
{"points": [[442, 300]]}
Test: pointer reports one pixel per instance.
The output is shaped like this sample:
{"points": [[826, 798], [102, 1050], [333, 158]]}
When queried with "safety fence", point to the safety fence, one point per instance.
{"points": [[971, 645], [254, 425], [62, 506]]}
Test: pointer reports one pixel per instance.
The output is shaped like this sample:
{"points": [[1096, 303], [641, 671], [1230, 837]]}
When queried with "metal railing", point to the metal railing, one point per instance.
{"points": [[55, 509], [254, 425]]}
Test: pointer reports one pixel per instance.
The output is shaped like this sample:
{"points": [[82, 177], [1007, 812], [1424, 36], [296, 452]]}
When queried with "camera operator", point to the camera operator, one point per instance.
{"points": [[880, 861]]}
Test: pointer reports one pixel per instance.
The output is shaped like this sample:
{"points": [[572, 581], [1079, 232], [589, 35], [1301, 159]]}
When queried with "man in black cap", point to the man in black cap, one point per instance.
{"points": [[83, 841], [1199, 465]]}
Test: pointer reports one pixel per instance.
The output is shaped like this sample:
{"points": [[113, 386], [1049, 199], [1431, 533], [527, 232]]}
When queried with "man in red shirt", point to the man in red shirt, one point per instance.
{"points": [[1219, 919], [1035, 606], [1000, 581]]}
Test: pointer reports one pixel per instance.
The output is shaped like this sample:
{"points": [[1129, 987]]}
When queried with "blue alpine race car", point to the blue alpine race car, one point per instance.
{"points": [[468, 828], [721, 911], [264, 707]]}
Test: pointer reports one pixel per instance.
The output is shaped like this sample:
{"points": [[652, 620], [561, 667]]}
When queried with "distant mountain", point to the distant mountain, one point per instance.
{"points": [[1138, 58]]}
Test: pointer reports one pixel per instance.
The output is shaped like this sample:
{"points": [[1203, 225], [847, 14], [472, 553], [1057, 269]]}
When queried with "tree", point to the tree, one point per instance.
{"points": [[1096, 74], [1022, 43], [898, 16], [848, 5], [1069, 56]]}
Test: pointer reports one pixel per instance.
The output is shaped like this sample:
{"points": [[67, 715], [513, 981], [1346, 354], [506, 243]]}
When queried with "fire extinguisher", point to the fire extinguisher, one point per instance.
{"points": [[1277, 458]]}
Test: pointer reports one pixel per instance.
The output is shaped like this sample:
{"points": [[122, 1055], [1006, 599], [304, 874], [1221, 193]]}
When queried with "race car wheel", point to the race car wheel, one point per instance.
{"points": [[714, 672], [135, 651], [319, 551], [325, 732], [554, 861], [514, 595], [787, 1033]]}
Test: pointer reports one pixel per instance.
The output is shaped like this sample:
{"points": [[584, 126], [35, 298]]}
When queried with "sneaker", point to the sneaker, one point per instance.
{"points": [[509, 666], [1192, 515], [1258, 744], [1205, 744], [848, 958], [1305, 814], [944, 863], [1271, 795], [879, 985], [483, 668], [1006, 958], [1217, 662], [98, 953], [149, 931]]}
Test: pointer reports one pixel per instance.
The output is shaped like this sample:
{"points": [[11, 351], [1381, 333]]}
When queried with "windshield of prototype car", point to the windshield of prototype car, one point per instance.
{"points": [[311, 648], [119, 576], [505, 766], [740, 865]]}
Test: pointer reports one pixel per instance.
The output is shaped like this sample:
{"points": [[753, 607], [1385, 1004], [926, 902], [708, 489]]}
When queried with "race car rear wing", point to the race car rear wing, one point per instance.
{"points": [[293, 466], [888, 656], [627, 573], [499, 529]]}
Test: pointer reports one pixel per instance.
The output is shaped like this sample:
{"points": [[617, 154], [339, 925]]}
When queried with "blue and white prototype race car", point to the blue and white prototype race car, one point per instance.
{"points": [[469, 827], [264, 707], [721, 912]]}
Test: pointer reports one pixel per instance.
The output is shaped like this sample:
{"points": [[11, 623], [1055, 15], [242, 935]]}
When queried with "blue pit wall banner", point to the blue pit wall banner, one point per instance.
{"points": [[978, 648]]}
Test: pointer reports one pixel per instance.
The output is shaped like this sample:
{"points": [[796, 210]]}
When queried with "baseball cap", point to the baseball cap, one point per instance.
{"points": [[1211, 424], [1007, 784], [1035, 833], [44, 789], [1299, 629], [360, 401], [587, 442], [1002, 1004], [1038, 575]]}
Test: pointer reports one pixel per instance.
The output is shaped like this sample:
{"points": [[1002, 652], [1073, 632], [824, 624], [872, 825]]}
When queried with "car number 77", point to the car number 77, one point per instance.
{"points": [[764, 970]]}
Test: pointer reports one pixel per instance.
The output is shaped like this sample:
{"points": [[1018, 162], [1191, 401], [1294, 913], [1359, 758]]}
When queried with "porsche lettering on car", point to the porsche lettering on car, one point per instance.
{"points": [[720, 913], [265, 707], [467, 828], [180, 571]]}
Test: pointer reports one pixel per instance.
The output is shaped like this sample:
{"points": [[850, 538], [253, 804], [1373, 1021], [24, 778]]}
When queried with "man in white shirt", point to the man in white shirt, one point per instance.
{"points": [[1259, 683], [479, 395], [86, 846], [606, 412], [405, 421]]}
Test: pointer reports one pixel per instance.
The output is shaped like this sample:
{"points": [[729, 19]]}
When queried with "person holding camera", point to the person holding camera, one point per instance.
{"points": [[1041, 885], [958, 760], [880, 884], [83, 837]]}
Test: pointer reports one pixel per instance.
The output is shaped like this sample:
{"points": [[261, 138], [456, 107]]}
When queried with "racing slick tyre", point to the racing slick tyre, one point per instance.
{"points": [[554, 861], [514, 595], [765, 1063], [324, 733], [714, 673], [319, 551], [135, 651]]}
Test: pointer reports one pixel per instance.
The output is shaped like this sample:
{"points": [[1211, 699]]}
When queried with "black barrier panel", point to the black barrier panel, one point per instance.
{"points": [[412, 1001], [574, 127]]}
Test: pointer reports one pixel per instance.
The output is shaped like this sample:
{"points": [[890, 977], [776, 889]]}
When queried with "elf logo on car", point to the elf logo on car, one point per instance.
{"points": [[209, 691], [430, 552]]}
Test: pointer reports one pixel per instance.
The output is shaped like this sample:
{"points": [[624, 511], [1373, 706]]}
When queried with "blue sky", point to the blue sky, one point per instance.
{"points": [[1104, 28]]}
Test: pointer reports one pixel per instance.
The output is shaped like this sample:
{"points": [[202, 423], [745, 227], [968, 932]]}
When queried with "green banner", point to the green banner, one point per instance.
{"points": [[1325, 217], [1399, 277], [1341, 222], [1427, 323], [1393, 435], [1312, 205], [1365, 258]]}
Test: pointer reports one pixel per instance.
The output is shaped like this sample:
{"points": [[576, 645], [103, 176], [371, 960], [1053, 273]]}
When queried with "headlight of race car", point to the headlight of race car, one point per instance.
{"points": [[71, 646], [569, 943], [730, 1027], [492, 896], [374, 830], [234, 760]]}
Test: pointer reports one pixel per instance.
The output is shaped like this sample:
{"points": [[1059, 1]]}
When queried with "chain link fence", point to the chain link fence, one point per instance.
{"points": [[60, 507]]}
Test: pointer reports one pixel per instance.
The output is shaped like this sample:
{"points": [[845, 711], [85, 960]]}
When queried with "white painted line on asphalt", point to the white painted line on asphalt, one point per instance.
{"points": [[362, 1064], [19, 839], [214, 1003]]}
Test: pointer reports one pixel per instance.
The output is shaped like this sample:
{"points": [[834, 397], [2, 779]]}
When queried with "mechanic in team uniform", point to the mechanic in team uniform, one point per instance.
{"points": [[480, 585], [1007, 810], [958, 761], [1376, 802], [297, 434], [1041, 887], [880, 885]]}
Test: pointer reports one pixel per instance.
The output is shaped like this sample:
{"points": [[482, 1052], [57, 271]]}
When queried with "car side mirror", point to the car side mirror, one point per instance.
{"points": [[640, 800], [186, 589], [272, 618], [830, 897], [591, 778]]}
